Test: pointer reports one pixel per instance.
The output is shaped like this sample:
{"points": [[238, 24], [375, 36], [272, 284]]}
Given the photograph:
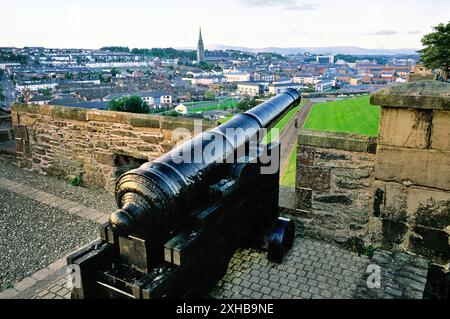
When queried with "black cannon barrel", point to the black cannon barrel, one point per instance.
{"points": [[155, 198]]}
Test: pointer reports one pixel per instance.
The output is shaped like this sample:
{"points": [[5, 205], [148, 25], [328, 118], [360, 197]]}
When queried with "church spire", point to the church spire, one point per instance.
{"points": [[200, 48], [200, 39]]}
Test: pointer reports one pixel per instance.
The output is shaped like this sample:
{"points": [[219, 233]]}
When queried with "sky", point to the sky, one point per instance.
{"points": [[387, 24]]}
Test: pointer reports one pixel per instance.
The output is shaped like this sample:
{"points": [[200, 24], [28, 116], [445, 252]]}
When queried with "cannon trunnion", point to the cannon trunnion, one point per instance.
{"points": [[180, 222]]}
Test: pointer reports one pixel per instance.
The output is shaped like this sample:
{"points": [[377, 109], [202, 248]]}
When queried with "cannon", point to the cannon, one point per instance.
{"points": [[182, 216]]}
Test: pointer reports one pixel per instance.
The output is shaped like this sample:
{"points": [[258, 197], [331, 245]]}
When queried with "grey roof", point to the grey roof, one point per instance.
{"points": [[141, 94], [87, 105], [38, 98]]}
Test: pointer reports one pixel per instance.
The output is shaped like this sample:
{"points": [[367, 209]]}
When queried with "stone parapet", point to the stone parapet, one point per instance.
{"points": [[92, 145], [411, 206], [334, 174]]}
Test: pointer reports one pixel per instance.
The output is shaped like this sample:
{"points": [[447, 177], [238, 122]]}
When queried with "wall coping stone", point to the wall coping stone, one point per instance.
{"points": [[335, 140], [86, 115], [431, 95]]}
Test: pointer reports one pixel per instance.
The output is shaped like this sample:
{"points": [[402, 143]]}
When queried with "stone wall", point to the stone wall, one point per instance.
{"points": [[411, 206], [95, 145], [6, 131], [334, 174]]}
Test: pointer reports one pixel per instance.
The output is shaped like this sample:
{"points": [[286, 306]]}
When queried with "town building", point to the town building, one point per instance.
{"points": [[324, 85], [278, 88], [237, 77], [250, 89], [153, 99], [325, 59], [304, 78], [356, 81]]}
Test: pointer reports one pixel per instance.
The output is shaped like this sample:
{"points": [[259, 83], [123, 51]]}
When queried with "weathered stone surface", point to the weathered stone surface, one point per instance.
{"points": [[405, 127], [430, 208], [65, 141], [316, 178], [421, 94], [113, 117], [305, 156], [142, 120], [304, 198], [429, 168], [341, 141], [390, 201], [334, 206], [440, 137], [403, 276]]}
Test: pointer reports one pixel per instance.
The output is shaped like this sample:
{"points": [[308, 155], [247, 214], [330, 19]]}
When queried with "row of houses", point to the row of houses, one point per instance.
{"points": [[154, 100]]}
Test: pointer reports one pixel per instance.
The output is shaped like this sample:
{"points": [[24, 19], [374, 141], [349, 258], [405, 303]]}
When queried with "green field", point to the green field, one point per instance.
{"points": [[288, 178], [352, 116], [211, 105]]}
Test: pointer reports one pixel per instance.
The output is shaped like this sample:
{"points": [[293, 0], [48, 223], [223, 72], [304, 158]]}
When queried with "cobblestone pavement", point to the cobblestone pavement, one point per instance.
{"points": [[312, 270], [402, 276]]}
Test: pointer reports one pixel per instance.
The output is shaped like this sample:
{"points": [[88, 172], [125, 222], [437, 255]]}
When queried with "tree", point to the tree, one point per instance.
{"points": [[210, 95], [114, 72], [436, 54], [246, 104], [131, 104]]}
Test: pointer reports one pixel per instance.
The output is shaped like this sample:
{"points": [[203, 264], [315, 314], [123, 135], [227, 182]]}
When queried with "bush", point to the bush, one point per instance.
{"points": [[75, 181], [131, 104]]}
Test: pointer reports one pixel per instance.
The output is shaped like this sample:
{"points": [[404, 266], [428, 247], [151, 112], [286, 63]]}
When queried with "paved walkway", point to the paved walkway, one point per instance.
{"points": [[312, 270], [288, 136]]}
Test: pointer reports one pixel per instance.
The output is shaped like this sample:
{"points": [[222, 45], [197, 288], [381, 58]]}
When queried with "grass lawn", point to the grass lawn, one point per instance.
{"points": [[288, 178], [212, 105], [352, 116]]}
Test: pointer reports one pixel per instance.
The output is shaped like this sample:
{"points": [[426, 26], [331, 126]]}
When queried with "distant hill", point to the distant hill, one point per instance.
{"points": [[318, 50]]}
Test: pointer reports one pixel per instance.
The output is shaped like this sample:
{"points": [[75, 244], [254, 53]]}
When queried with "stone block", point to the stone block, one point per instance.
{"points": [[421, 95], [67, 113], [143, 120], [340, 141], [109, 116], [429, 168], [440, 133], [172, 124], [405, 127], [104, 158], [430, 208], [305, 156], [315, 178], [304, 198]]}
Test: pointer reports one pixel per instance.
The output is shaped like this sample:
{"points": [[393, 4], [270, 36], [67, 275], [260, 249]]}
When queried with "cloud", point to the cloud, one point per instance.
{"points": [[383, 32], [414, 32], [283, 4]]}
